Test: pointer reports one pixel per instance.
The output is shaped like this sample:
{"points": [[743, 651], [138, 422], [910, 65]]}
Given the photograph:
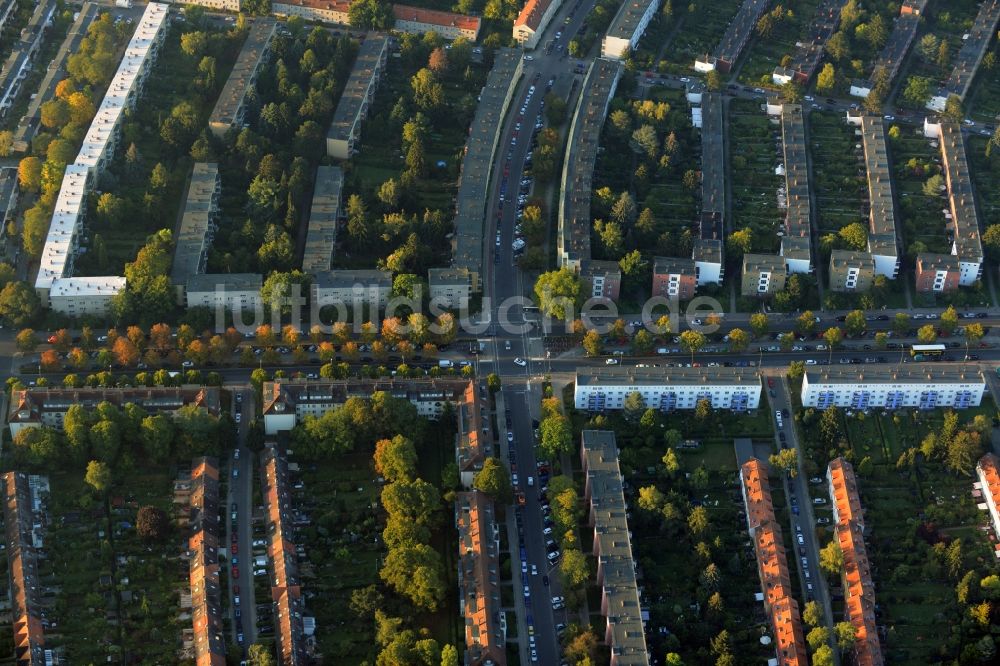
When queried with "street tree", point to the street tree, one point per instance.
{"points": [[692, 342], [738, 340], [949, 320], [831, 558], [494, 480], [786, 460], [759, 324], [927, 334], [855, 323]]}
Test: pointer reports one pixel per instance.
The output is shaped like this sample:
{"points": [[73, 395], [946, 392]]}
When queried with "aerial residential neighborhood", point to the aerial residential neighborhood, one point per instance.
{"points": [[489, 333]]}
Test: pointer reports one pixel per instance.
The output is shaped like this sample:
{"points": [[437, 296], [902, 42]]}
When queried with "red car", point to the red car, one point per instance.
{"points": [[235, 547], [236, 573], [770, 382]]}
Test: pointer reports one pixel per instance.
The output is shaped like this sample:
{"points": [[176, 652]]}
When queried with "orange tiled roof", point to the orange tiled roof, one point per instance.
{"points": [[434, 17], [772, 565], [479, 579], [29, 636], [845, 491], [203, 547], [989, 464], [531, 14]]}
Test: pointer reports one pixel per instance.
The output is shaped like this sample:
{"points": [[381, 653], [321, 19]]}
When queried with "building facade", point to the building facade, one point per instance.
{"points": [[937, 272], [988, 473], [448, 25], [603, 279], [627, 27], [851, 271], [532, 21], [230, 108], [233, 292], [450, 288], [321, 11], [674, 278], [916, 385], [666, 389], [352, 289], [345, 128], [763, 274]]}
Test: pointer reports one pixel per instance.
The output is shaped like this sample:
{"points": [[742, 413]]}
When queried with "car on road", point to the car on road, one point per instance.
{"points": [[524, 567], [236, 454], [810, 361], [819, 500], [527, 592], [801, 539], [510, 437], [520, 362], [534, 570], [822, 521], [611, 361], [235, 573], [236, 472]]}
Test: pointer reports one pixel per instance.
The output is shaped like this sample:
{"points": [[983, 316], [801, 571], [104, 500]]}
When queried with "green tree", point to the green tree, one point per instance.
{"points": [[817, 637], [806, 322], [428, 93], [786, 460], [494, 480], [157, 434], [949, 320], [845, 635], [557, 436], [812, 614], [831, 558], [19, 304], [823, 656], [917, 91], [827, 79], [759, 324], [260, 654], [593, 344], [692, 342], [927, 334], [98, 476], [698, 520], [901, 323], [416, 572], [573, 570], [559, 293], [396, 458], [370, 15], [738, 340], [855, 322]]}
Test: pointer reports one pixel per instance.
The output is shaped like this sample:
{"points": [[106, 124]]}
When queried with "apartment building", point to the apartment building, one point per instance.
{"points": [[627, 27], [450, 288], [447, 25], [914, 385], [581, 154], [351, 289], [473, 445], [988, 473], [21, 60], [763, 275], [197, 228], [604, 496], [209, 639], [674, 278], [963, 225], [27, 127], [233, 292], [772, 565], [479, 579], [890, 60], [974, 46], [532, 21], [603, 279], [602, 389], [735, 38], [321, 11], [468, 245], [809, 51], [937, 272], [286, 402], [851, 271], [38, 406], [708, 248], [99, 144], [286, 585], [883, 243], [859, 591], [214, 5], [796, 246], [324, 216], [23, 540], [80, 296], [345, 128], [230, 108]]}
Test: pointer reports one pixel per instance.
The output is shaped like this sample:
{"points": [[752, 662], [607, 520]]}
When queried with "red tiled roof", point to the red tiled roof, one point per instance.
{"points": [[325, 5], [531, 14], [434, 17]]}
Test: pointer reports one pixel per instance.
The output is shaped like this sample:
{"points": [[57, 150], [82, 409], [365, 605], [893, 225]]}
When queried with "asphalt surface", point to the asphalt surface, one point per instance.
{"points": [[240, 496]]}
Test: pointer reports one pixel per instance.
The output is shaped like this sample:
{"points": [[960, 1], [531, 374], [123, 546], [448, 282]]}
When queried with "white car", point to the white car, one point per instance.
{"points": [[524, 567], [520, 362], [510, 437], [800, 539], [534, 570], [810, 361], [611, 361]]}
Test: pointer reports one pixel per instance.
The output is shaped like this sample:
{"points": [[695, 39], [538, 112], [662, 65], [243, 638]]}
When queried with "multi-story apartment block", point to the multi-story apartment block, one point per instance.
{"points": [[21, 60], [809, 53], [974, 46], [324, 215], [603, 278], [37, 406], [468, 243], [674, 278], [345, 128], [772, 565], [937, 272], [859, 591], [796, 248], [233, 292], [56, 72], [230, 109], [22, 542], [214, 5], [532, 21], [63, 239], [286, 402], [479, 579], [988, 473], [708, 248], [890, 60], [616, 567], [627, 27], [581, 155], [919, 385], [963, 225], [286, 584], [450, 288], [763, 274], [321, 11], [448, 25], [851, 271], [735, 38], [209, 640], [352, 288], [194, 238], [667, 389]]}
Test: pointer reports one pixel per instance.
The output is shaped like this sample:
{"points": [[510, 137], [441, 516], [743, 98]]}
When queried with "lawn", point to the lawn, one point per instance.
{"points": [[906, 512], [114, 594], [839, 182], [700, 34], [671, 571], [983, 103], [755, 146], [985, 175], [766, 54]]}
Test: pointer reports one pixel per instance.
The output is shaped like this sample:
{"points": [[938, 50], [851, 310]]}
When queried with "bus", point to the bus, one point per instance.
{"points": [[926, 352]]}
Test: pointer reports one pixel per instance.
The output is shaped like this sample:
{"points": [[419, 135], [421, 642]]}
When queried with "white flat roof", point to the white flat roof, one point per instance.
{"points": [[62, 229], [107, 285]]}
